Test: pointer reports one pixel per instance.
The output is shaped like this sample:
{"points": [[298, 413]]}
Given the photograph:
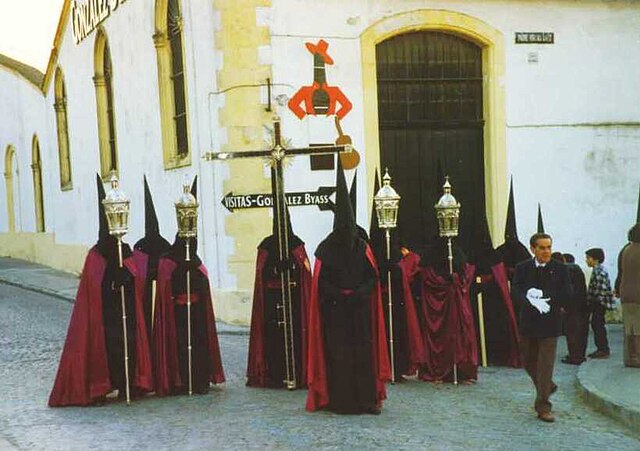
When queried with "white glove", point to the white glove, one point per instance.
{"points": [[534, 296]]}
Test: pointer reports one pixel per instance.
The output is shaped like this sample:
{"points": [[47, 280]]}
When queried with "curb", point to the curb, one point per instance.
{"points": [[605, 404], [38, 289], [222, 328]]}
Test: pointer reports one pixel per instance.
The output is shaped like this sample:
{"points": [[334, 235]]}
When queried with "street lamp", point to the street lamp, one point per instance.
{"points": [[387, 202], [448, 214], [116, 208], [187, 217]]}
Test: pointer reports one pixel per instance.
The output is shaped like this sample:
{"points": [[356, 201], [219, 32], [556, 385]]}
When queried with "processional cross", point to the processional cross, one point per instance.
{"points": [[276, 156]]}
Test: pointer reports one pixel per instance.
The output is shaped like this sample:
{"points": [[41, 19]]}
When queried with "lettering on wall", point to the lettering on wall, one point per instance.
{"points": [[534, 38], [86, 15]]}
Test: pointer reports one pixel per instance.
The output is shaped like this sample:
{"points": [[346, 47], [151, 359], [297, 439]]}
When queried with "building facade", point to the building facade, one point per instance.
{"points": [[543, 92]]}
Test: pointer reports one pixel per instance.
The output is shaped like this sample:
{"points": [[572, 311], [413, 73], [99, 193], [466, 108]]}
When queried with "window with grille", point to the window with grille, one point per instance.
{"points": [[174, 34], [108, 77]]}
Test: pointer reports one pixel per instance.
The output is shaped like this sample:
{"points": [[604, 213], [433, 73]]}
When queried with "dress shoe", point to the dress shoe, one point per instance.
{"points": [[547, 417], [600, 355]]}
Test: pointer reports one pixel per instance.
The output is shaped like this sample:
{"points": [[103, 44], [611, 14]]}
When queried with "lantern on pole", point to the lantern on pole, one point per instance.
{"points": [[448, 214], [116, 208], [387, 202], [187, 217]]}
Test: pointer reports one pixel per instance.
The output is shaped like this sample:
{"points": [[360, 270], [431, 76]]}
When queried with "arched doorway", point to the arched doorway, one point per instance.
{"points": [[12, 180], [36, 168], [430, 121]]}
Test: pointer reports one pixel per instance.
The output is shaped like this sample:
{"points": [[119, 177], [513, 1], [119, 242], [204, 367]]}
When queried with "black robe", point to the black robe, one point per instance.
{"points": [[346, 284]]}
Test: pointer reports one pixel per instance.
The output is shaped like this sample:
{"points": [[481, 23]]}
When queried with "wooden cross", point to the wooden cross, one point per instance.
{"points": [[276, 156]]}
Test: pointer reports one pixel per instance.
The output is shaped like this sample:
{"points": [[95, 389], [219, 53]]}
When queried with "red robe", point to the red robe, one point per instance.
{"points": [[257, 364], [449, 335], [318, 394], [83, 373], [166, 363], [499, 277]]}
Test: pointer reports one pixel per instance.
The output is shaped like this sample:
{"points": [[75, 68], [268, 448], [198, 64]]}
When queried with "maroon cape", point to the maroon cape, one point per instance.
{"points": [[499, 277], [449, 335], [83, 374], [416, 351], [257, 364], [165, 345], [318, 394]]}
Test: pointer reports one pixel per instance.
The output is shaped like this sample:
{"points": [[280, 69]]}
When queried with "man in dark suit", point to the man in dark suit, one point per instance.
{"points": [[542, 288]]}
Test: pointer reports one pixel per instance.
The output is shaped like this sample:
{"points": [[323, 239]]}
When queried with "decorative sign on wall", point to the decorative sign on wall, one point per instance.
{"points": [[320, 198], [534, 38], [86, 15], [318, 97]]}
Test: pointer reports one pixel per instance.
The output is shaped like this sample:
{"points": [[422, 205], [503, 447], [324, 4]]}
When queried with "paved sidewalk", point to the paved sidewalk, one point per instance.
{"points": [[63, 285], [606, 385], [609, 386]]}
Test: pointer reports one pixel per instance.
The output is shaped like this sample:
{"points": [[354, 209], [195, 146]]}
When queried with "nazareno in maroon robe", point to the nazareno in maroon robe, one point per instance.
{"points": [[499, 277], [166, 360], [257, 366], [83, 373], [449, 334]]}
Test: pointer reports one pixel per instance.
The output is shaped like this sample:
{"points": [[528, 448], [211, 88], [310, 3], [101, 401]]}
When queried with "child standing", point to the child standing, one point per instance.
{"points": [[599, 300]]}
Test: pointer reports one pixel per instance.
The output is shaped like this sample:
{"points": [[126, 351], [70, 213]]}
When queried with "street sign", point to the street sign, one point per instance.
{"points": [[320, 198]]}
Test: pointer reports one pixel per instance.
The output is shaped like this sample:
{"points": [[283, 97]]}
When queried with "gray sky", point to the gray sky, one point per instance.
{"points": [[27, 29]]}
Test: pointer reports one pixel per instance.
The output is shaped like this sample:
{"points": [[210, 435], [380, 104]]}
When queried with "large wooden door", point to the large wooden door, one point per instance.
{"points": [[430, 115]]}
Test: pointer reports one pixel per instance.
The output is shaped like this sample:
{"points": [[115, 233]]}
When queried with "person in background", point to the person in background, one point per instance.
{"points": [[577, 315], [599, 299], [628, 287]]}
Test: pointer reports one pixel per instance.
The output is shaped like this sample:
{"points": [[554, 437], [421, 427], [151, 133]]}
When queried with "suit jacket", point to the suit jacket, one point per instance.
{"points": [[554, 282]]}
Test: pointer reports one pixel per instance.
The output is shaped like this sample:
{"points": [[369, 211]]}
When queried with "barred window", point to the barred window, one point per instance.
{"points": [[64, 154], [174, 34], [110, 115]]}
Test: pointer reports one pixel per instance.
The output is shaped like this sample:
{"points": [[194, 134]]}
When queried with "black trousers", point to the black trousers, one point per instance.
{"points": [[598, 328], [577, 329]]}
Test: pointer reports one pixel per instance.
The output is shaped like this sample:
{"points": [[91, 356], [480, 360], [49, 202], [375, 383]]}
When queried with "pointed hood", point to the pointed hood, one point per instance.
{"points": [[540, 223], [107, 244], [485, 254], [270, 243], [103, 231], [511, 229], [152, 243], [344, 218], [194, 187], [638, 211], [353, 197]]}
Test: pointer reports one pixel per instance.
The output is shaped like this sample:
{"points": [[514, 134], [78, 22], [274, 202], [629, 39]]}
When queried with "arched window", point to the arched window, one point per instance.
{"points": [[60, 106], [103, 80], [171, 82], [36, 167], [12, 180]]}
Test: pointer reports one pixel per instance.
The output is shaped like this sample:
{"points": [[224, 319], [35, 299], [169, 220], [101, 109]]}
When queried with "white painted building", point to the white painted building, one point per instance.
{"points": [[563, 118]]}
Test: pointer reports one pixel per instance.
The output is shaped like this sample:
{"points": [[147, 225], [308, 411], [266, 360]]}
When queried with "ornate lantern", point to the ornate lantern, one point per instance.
{"points": [[448, 212], [387, 202], [187, 213], [116, 207]]}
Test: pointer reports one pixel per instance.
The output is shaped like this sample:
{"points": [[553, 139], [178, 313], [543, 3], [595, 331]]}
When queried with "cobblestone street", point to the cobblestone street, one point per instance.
{"points": [[494, 414]]}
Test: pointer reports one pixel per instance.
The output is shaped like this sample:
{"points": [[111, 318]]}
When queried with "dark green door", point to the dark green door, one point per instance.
{"points": [[430, 114]]}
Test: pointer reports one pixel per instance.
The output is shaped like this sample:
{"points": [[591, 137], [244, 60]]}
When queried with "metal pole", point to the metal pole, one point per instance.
{"points": [[455, 334], [483, 342], [188, 258], [393, 372], [124, 328], [153, 303]]}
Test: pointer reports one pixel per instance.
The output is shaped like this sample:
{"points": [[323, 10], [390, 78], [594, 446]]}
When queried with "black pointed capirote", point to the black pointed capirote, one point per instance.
{"points": [[344, 217], [511, 229], [194, 187], [103, 231], [151, 227], [638, 212], [540, 223]]}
